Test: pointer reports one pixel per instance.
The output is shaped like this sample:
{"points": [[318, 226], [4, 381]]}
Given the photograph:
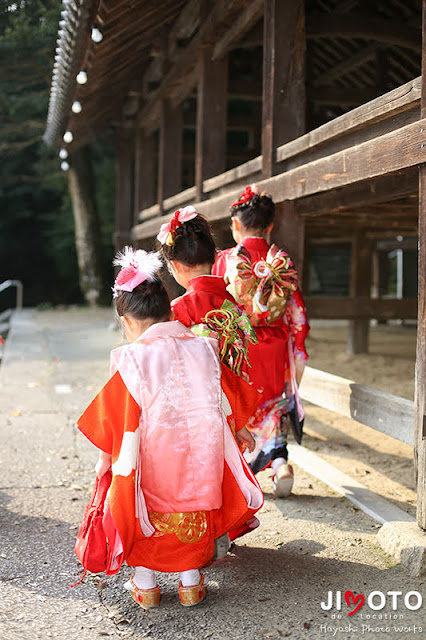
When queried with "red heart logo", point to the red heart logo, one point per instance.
{"points": [[356, 599]]}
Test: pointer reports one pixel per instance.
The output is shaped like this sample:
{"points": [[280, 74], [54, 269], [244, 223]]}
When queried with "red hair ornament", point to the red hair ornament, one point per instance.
{"points": [[168, 230], [246, 196]]}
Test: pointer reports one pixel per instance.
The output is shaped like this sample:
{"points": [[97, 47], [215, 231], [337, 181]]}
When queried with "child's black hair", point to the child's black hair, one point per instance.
{"points": [[193, 243], [257, 213], [148, 300]]}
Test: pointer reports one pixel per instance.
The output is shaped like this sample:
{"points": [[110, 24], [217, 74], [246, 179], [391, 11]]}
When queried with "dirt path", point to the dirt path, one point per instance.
{"points": [[381, 463]]}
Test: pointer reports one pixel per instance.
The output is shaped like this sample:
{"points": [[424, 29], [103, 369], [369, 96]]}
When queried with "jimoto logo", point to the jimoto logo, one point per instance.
{"points": [[375, 600]]}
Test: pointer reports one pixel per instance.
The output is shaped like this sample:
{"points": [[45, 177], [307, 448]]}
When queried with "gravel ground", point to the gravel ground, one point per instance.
{"points": [[271, 584]]}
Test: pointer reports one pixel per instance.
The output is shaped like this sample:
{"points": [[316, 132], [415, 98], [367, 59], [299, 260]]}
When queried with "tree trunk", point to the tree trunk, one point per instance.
{"points": [[86, 224]]}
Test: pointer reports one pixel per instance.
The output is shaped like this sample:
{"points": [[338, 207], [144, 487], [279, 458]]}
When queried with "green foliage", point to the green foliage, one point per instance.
{"points": [[36, 223]]}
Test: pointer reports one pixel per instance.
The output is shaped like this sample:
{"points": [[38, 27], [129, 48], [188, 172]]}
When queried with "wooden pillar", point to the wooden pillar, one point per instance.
{"points": [[210, 145], [169, 152], [124, 187], [375, 274], [360, 285], [145, 168], [289, 234], [420, 384], [284, 85]]}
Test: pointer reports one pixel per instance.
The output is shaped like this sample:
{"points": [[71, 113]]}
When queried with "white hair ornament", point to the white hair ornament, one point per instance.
{"points": [[136, 267]]}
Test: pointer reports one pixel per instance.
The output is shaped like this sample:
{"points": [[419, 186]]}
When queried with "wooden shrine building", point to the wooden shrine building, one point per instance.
{"points": [[322, 103]]}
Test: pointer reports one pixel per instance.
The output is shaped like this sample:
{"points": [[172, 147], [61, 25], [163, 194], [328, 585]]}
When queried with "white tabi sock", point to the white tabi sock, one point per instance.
{"points": [[277, 463], [190, 578], [143, 578]]}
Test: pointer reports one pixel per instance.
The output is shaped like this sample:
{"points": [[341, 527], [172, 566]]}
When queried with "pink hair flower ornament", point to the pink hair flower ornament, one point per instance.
{"points": [[136, 267], [168, 230]]}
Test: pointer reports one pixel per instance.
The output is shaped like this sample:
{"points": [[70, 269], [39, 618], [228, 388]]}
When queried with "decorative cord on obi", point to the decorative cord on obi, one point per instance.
{"points": [[233, 330]]}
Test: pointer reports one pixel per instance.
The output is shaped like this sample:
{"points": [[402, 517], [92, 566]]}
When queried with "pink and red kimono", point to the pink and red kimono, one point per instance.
{"points": [[275, 359], [205, 293], [179, 480]]}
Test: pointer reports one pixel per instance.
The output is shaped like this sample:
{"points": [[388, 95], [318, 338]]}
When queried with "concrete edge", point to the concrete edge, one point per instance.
{"points": [[406, 542], [400, 536]]}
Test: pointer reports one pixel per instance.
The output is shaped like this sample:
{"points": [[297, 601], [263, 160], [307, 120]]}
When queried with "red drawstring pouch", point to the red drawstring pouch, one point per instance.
{"points": [[91, 544]]}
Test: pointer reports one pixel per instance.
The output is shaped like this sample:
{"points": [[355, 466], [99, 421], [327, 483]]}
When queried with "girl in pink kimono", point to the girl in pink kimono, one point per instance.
{"points": [[178, 479]]}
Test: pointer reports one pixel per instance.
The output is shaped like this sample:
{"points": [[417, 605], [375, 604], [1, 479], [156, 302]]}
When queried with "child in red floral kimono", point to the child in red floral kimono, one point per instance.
{"points": [[178, 479], [263, 281]]}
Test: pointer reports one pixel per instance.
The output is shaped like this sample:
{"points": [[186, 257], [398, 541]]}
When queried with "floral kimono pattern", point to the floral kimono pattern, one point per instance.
{"points": [[265, 284]]}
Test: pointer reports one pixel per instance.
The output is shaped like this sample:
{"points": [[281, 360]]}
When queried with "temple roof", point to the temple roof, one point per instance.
{"points": [[150, 49]]}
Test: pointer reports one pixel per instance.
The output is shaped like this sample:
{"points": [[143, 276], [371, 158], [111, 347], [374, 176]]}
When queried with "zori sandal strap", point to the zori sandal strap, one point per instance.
{"points": [[190, 596], [146, 598]]}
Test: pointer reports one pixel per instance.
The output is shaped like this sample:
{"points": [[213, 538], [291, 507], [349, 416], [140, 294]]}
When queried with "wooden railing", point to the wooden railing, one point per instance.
{"points": [[379, 410], [361, 307], [349, 149]]}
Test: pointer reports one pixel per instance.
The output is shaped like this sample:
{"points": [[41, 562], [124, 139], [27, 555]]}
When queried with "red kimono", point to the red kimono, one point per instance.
{"points": [[279, 353], [179, 481]]}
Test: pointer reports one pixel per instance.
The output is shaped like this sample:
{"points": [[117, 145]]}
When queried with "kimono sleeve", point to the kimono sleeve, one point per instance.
{"points": [[242, 396], [181, 311], [219, 267], [297, 320], [112, 412]]}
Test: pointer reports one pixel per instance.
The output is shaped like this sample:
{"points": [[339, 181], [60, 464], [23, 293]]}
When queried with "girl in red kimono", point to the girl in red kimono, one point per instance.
{"points": [[179, 481], [264, 282], [208, 308], [188, 247]]}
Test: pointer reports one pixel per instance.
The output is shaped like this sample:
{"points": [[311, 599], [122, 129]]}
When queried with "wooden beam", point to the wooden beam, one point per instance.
{"points": [[170, 151], [355, 164], [145, 161], [380, 189], [245, 21], [289, 234], [250, 169], [210, 153], [360, 285], [235, 121], [284, 94], [183, 198], [184, 27], [358, 164], [403, 98], [391, 32], [341, 96], [420, 390], [361, 307], [185, 59], [374, 505], [379, 410], [124, 196], [346, 66], [384, 226]]}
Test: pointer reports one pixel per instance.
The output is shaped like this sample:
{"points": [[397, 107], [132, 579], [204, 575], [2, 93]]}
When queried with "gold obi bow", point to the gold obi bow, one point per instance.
{"points": [[263, 287]]}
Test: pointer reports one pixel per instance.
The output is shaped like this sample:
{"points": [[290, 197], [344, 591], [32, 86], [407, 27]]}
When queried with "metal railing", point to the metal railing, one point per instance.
{"points": [[19, 291]]}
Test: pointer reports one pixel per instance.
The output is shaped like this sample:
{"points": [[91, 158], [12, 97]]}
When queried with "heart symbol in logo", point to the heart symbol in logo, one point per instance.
{"points": [[349, 596]]}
